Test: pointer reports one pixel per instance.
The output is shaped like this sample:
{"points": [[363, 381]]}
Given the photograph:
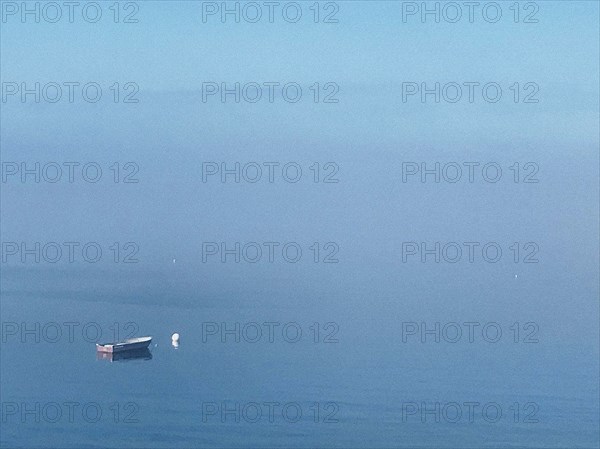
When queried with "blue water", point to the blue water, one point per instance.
{"points": [[350, 370], [366, 381]]}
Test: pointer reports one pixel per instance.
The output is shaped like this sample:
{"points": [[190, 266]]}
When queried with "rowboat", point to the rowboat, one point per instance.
{"points": [[129, 344]]}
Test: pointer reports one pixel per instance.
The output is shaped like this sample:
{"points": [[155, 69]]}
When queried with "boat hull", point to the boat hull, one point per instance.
{"points": [[133, 344], [124, 356]]}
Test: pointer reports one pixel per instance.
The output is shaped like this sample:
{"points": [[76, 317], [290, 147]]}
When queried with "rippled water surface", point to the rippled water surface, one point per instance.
{"points": [[272, 390]]}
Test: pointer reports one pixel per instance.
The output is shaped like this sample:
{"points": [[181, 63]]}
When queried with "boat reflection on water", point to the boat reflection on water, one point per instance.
{"points": [[135, 354]]}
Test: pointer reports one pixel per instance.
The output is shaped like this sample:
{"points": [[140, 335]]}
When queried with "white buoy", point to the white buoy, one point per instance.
{"points": [[175, 337]]}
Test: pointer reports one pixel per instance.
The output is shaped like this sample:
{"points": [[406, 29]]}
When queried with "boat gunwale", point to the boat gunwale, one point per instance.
{"points": [[127, 341]]}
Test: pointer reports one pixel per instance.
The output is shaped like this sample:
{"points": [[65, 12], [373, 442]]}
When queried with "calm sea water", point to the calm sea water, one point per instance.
{"points": [[339, 360], [364, 387]]}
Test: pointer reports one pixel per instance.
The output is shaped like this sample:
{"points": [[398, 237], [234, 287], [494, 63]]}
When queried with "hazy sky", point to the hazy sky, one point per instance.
{"points": [[367, 134]]}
